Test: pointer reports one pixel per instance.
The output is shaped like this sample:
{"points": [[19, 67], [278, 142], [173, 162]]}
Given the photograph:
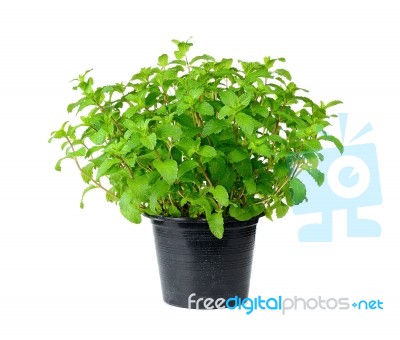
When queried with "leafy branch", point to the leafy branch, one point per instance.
{"points": [[198, 137]]}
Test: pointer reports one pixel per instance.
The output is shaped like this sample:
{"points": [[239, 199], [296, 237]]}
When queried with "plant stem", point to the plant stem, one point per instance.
{"points": [[97, 183], [126, 166], [205, 174]]}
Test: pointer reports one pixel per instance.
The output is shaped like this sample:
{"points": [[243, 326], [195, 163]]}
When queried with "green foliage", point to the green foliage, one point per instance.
{"points": [[198, 137]]}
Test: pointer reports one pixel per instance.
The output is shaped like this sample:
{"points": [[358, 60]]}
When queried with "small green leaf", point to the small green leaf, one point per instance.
{"points": [[105, 166], [245, 100], [220, 195], [196, 92], [128, 208], [214, 126], [58, 134], [268, 213], [151, 98], [78, 153], [172, 131], [149, 141], [174, 211], [237, 155], [157, 191], [205, 57], [216, 225], [283, 73], [246, 213], [263, 150], [187, 166], [229, 98], [163, 60], [87, 172], [281, 210], [168, 169], [205, 109], [333, 103], [226, 111], [317, 175], [247, 124], [298, 190], [57, 167], [203, 203], [99, 137], [188, 145], [90, 187], [250, 185], [335, 141], [207, 151], [131, 214]]}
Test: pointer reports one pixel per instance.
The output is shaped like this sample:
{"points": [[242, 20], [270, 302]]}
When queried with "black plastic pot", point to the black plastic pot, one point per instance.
{"points": [[192, 261]]}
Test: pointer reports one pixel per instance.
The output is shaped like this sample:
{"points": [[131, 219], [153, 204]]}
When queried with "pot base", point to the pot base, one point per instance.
{"points": [[199, 271]]}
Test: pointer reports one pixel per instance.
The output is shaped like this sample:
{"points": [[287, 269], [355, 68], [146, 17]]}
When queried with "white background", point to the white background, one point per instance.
{"points": [[67, 273]]}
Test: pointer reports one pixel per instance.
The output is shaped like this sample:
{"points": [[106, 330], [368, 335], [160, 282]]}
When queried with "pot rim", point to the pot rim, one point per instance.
{"points": [[198, 220]]}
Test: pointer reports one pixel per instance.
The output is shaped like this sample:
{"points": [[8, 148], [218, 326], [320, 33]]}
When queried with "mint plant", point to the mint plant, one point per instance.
{"points": [[198, 137]]}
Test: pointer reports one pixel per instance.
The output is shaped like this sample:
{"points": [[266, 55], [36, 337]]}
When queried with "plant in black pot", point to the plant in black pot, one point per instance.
{"points": [[202, 147]]}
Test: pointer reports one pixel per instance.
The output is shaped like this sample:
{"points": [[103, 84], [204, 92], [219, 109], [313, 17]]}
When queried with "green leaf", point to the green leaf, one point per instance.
{"points": [[333, 103], [284, 73], [226, 111], [205, 109], [58, 134], [220, 195], [99, 137], [244, 168], [168, 169], [246, 213], [187, 166], [196, 92], [128, 209], [317, 175], [281, 210], [131, 214], [216, 224], [90, 187], [188, 145], [105, 166], [221, 173], [268, 213], [312, 145], [163, 60], [263, 150], [237, 155], [207, 151], [229, 98], [203, 203], [250, 185], [298, 190], [157, 191], [172, 131], [205, 57], [335, 141], [245, 100], [149, 141], [78, 153], [247, 124], [151, 98], [57, 167], [214, 126], [87, 172], [174, 211]]}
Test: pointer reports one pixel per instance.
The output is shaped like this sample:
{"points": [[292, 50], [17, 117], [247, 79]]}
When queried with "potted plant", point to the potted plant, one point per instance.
{"points": [[202, 147]]}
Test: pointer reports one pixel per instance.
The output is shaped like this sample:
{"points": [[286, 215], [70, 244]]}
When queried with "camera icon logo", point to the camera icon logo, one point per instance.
{"points": [[351, 182]]}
